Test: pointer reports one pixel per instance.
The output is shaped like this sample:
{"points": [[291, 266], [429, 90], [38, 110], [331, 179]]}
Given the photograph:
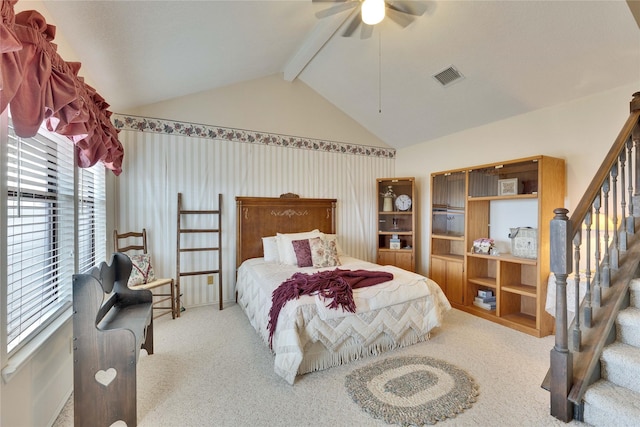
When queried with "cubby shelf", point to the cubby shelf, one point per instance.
{"points": [[448, 236], [520, 289], [449, 257], [489, 282], [461, 212], [513, 197], [521, 319]]}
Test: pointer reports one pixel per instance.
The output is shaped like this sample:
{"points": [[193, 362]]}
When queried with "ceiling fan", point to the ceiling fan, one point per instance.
{"points": [[372, 12]]}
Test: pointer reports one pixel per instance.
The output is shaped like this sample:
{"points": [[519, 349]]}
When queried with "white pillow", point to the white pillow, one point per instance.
{"points": [[334, 237], [285, 247], [270, 249]]}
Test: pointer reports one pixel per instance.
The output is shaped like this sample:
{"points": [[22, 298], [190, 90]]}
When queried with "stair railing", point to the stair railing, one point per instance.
{"points": [[604, 221]]}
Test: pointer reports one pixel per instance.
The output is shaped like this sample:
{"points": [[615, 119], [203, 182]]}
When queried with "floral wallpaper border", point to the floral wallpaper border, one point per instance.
{"points": [[146, 124]]}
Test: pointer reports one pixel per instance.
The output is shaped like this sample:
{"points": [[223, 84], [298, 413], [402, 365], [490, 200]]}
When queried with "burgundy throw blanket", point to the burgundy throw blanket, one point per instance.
{"points": [[335, 285]]}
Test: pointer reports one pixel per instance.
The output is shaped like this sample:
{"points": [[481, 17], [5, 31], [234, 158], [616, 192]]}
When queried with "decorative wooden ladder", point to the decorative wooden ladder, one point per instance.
{"points": [[216, 230]]}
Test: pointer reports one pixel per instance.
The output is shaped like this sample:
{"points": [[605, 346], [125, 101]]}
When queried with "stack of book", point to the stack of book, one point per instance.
{"points": [[485, 299]]}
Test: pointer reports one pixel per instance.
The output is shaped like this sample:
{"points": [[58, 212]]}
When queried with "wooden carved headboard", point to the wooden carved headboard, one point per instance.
{"points": [[259, 217]]}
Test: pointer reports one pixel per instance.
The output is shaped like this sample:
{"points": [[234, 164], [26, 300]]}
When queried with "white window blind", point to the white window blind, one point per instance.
{"points": [[92, 217], [40, 233]]}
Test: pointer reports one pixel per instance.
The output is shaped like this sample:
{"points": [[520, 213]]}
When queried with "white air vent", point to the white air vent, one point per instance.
{"points": [[448, 76]]}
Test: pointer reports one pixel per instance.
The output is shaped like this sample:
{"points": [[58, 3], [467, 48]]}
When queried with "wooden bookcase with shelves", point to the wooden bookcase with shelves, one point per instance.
{"points": [[448, 206], [518, 284], [396, 222]]}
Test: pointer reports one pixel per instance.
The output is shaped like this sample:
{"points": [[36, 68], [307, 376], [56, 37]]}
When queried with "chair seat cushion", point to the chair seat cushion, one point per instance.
{"points": [[153, 284]]}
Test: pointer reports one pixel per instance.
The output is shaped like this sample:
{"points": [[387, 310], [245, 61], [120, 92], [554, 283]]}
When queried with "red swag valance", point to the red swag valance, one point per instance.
{"points": [[38, 85]]}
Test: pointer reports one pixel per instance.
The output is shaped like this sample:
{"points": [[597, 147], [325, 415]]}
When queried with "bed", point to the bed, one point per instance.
{"points": [[309, 336]]}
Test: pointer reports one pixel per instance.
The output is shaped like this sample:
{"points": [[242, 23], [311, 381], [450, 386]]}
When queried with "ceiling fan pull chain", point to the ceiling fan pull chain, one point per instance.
{"points": [[380, 72]]}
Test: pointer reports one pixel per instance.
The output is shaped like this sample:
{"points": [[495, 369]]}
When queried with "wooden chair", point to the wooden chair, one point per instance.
{"points": [[140, 246]]}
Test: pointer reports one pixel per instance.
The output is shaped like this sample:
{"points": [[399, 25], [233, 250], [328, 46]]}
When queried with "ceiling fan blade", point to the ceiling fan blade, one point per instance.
{"points": [[414, 8], [336, 9], [353, 25], [399, 18], [365, 31]]}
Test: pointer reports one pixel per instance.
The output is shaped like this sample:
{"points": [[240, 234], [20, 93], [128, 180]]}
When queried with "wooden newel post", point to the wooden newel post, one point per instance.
{"points": [[634, 105], [561, 358]]}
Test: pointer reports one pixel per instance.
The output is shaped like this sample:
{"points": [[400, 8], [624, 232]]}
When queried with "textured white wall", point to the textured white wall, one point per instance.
{"points": [[580, 132], [268, 104], [159, 166]]}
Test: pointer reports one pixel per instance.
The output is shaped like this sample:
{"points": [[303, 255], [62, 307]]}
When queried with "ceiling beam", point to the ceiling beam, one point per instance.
{"points": [[634, 5], [321, 33]]}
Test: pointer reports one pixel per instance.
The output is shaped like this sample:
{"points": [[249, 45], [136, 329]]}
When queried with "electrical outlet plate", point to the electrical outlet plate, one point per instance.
{"points": [[209, 280]]}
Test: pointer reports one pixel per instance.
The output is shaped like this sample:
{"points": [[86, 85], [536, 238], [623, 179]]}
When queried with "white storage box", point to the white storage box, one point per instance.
{"points": [[524, 242]]}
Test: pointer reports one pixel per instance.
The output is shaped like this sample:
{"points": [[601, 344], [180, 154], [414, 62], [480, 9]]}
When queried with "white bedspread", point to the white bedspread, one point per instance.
{"points": [[409, 304]]}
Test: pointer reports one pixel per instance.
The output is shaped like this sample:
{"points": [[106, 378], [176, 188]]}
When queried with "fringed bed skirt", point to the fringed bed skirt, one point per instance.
{"points": [[317, 357]]}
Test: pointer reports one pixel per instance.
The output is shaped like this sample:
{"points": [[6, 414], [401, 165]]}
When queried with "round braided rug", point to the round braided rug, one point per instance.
{"points": [[412, 390]]}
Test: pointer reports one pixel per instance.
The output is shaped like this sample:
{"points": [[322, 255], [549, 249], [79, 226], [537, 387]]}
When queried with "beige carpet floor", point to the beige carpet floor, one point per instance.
{"points": [[210, 368]]}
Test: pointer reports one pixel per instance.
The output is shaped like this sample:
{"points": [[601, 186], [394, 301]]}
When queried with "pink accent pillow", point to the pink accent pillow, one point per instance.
{"points": [[141, 270], [285, 248], [303, 252]]}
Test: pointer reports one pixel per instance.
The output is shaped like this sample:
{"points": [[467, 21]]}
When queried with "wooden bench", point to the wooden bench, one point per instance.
{"points": [[110, 324]]}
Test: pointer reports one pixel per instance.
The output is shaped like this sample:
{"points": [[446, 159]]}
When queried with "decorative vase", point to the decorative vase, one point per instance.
{"points": [[388, 204]]}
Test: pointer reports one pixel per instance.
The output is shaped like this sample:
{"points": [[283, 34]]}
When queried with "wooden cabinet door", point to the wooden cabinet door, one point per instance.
{"points": [[399, 259], [386, 258], [455, 291], [404, 261], [448, 275], [439, 273]]}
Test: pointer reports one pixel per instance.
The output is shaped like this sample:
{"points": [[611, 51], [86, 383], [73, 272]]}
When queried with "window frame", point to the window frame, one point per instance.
{"points": [[40, 211], [86, 202]]}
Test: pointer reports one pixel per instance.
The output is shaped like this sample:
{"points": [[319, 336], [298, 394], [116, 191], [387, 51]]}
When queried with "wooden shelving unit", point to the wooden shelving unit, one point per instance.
{"points": [[448, 220], [396, 222], [519, 284]]}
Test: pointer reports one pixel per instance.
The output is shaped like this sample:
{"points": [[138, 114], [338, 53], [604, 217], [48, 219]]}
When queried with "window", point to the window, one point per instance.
{"points": [[55, 226], [92, 213]]}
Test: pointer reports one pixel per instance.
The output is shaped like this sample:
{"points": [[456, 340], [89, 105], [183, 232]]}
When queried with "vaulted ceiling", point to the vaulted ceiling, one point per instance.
{"points": [[515, 56]]}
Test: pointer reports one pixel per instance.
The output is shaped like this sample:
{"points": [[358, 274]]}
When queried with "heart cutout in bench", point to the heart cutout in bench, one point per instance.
{"points": [[105, 377]]}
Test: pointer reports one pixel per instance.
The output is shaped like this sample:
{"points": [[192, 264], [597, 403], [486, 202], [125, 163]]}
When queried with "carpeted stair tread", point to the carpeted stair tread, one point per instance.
{"points": [[608, 404], [613, 400], [628, 326], [621, 365]]}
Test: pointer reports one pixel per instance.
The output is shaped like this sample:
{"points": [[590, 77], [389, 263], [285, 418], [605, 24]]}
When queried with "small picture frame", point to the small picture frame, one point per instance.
{"points": [[507, 187]]}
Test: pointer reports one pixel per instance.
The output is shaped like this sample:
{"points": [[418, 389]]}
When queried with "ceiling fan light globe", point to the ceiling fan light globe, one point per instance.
{"points": [[372, 11]]}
